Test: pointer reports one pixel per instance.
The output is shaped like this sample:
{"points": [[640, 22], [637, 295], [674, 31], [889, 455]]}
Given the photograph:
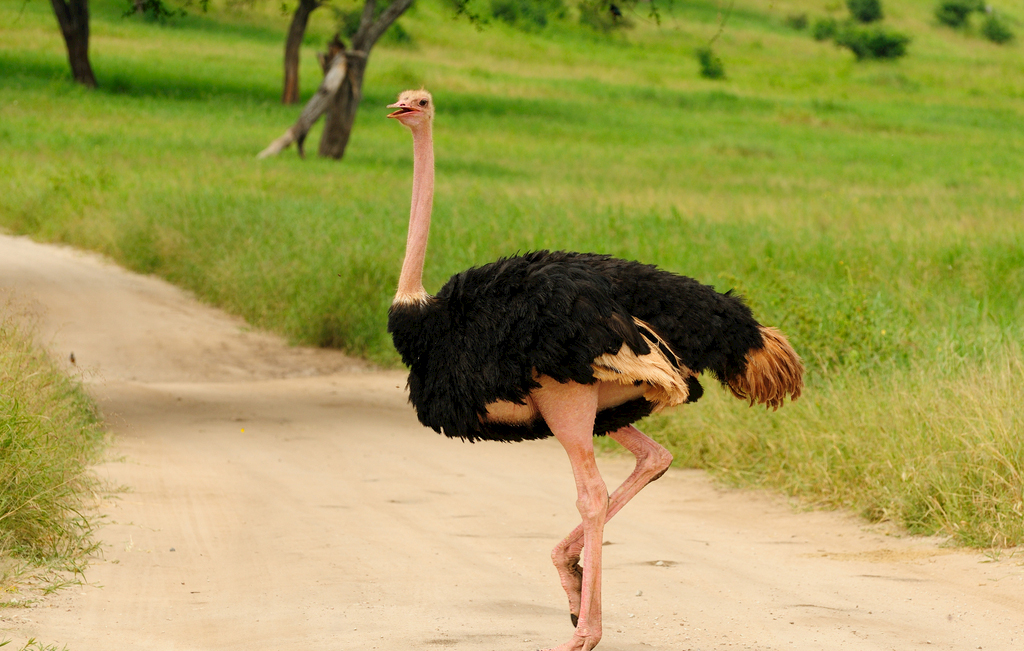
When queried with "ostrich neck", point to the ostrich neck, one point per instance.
{"points": [[410, 282]]}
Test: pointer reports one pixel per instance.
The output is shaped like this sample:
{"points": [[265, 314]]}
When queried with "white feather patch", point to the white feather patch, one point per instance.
{"points": [[664, 379], [412, 298]]}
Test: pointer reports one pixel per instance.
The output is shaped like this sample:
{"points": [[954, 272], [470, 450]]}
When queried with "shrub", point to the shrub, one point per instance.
{"points": [[527, 14], [711, 66], [865, 11], [825, 29], [955, 13], [797, 21], [996, 30], [155, 10], [873, 43]]}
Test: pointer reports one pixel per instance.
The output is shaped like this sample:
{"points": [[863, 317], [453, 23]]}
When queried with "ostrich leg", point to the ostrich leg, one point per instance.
{"points": [[652, 461], [569, 410]]}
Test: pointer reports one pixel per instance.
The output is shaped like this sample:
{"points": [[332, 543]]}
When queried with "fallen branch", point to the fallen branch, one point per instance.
{"points": [[334, 75]]}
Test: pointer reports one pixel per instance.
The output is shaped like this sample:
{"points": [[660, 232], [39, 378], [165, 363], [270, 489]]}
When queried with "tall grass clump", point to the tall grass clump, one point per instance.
{"points": [[49, 434]]}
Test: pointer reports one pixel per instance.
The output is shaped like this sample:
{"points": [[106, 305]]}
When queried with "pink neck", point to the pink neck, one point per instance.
{"points": [[410, 282]]}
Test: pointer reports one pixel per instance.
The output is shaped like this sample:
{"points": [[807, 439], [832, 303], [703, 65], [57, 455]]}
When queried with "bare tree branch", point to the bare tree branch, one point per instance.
{"points": [[364, 40], [315, 107], [366, 19], [340, 93]]}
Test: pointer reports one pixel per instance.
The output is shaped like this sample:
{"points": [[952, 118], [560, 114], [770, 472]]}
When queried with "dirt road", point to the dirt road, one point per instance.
{"points": [[288, 499]]}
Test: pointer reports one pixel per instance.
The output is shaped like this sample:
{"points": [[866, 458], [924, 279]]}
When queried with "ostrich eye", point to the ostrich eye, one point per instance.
{"points": [[423, 102]]}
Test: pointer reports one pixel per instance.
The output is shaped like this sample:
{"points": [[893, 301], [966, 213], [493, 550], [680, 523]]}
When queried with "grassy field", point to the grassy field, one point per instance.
{"points": [[873, 210], [49, 434]]}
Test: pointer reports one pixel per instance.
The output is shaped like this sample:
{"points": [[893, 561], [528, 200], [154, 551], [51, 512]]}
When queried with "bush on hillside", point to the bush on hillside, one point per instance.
{"points": [[996, 30], [873, 42], [956, 13], [154, 10], [711, 66], [825, 29], [528, 14], [865, 11], [797, 21]]}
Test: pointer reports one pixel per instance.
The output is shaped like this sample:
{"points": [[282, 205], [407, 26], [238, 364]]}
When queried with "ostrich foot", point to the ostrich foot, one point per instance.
{"points": [[570, 574], [578, 643]]}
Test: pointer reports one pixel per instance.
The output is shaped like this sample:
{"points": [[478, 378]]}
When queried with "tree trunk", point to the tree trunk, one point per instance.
{"points": [[73, 18], [335, 73], [296, 32], [341, 112], [342, 90]]}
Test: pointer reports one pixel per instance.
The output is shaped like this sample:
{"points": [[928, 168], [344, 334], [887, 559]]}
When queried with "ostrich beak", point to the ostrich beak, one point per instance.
{"points": [[403, 109]]}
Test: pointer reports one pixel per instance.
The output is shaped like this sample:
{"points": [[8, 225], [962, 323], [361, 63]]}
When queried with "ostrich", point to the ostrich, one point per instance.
{"points": [[570, 345]]}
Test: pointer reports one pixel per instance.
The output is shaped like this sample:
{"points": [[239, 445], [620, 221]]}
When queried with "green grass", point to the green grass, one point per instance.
{"points": [[872, 210], [35, 645], [49, 434], [934, 452]]}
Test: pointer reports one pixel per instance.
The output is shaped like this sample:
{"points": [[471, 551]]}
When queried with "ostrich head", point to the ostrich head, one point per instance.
{"points": [[415, 108]]}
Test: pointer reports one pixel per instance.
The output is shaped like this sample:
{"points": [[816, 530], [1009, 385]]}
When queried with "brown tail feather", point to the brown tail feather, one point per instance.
{"points": [[773, 372]]}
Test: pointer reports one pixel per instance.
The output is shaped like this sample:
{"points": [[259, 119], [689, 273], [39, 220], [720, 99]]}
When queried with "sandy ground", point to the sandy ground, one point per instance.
{"points": [[279, 498]]}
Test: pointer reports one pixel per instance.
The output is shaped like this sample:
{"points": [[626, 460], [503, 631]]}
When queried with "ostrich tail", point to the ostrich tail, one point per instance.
{"points": [[773, 371]]}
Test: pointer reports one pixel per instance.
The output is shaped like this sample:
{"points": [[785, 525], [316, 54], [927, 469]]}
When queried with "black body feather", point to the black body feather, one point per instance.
{"points": [[490, 328]]}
